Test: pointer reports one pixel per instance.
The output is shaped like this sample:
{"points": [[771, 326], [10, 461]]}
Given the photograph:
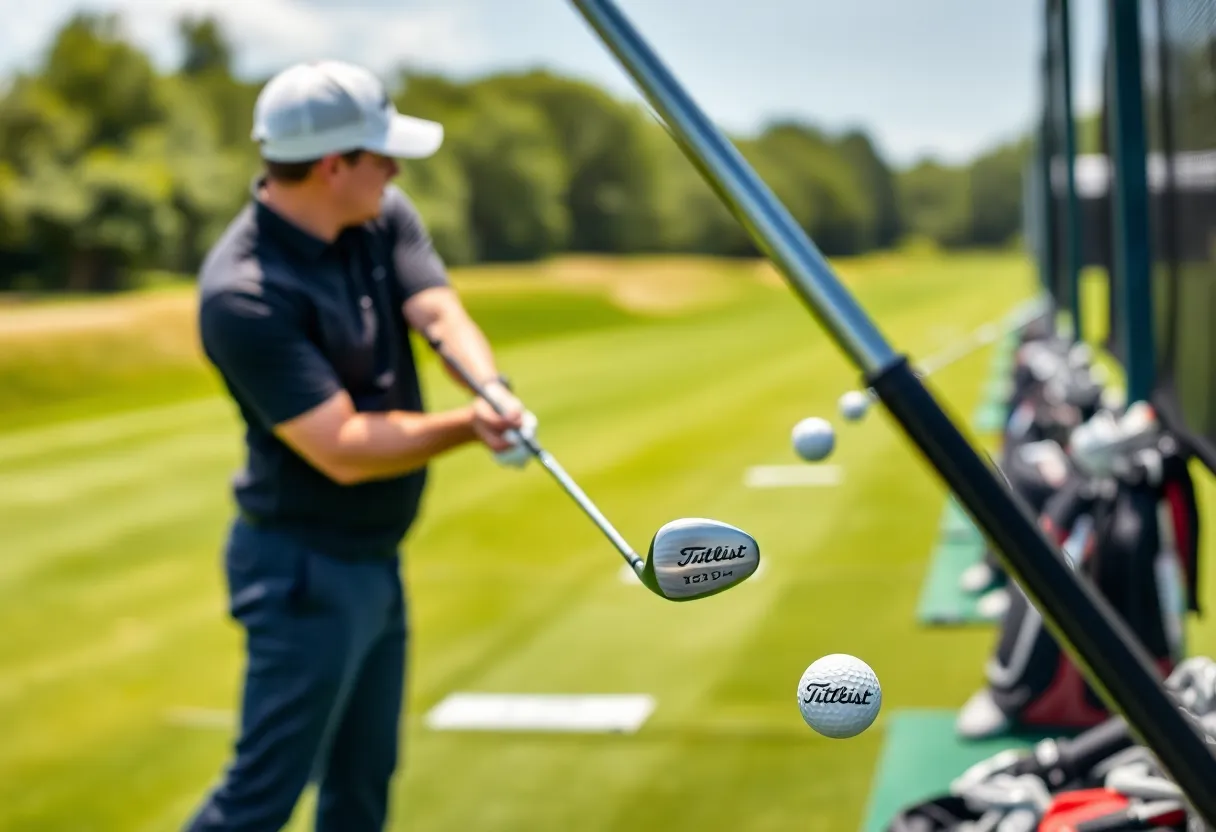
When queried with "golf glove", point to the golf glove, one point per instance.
{"points": [[518, 454]]}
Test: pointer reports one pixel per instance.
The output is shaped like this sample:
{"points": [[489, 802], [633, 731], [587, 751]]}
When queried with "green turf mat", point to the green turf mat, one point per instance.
{"points": [[941, 600], [956, 526], [997, 390], [919, 758], [989, 417]]}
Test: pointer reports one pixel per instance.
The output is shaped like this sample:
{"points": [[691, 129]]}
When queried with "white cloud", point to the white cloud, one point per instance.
{"points": [[269, 34]]}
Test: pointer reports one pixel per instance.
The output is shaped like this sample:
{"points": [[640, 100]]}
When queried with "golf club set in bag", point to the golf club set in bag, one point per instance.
{"points": [[1053, 390], [1100, 779], [1110, 485]]}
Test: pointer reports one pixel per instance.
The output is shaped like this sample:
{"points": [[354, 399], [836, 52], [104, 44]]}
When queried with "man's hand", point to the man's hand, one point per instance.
{"points": [[518, 454], [502, 434], [491, 428]]}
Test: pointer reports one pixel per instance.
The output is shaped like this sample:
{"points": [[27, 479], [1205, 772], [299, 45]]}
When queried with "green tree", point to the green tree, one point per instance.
{"points": [[878, 182], [517, 177], [205, 46], [440, 190], [611, 192], [995, 195], [102, 77], [934, 201], [815, 181]]}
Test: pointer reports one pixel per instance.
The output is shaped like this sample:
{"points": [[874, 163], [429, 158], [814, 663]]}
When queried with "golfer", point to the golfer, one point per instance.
{"points": [[306, 304]]}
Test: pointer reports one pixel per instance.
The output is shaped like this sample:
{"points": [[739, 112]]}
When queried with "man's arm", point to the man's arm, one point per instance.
{"points": [[258, 345], [431, 305], [438, 313], [351, 447]]}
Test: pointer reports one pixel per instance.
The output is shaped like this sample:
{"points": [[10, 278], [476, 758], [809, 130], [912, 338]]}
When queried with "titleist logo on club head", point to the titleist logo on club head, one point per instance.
{"points": [[696, 556], [711, 554], [824, 694]]}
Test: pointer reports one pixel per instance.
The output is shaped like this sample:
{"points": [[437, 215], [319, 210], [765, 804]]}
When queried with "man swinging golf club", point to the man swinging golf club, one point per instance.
{"points": [[305, 308]]}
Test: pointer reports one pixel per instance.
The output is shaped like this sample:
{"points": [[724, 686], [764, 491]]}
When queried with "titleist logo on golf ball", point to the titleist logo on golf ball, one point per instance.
{"points": [[825, 694], [711, 554]]}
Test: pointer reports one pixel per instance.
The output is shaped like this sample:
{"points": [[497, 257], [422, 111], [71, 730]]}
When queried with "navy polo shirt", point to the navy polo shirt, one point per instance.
{"points": [[288, 320]]}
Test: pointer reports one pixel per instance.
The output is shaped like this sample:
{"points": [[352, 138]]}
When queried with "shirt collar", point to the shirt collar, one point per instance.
{"points": [[283, 230]]}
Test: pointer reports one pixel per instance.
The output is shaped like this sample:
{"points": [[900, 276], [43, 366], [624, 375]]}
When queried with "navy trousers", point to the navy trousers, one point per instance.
{"points": [[323, 688]]}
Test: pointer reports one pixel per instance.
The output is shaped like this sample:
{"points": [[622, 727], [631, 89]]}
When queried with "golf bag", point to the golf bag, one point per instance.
{"points": [[1053, 392], [1134, 537], [1035, 471], [1100, 779]]}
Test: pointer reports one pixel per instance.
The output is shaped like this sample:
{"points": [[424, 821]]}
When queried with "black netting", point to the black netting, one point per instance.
{"points": [[1180, 110]]}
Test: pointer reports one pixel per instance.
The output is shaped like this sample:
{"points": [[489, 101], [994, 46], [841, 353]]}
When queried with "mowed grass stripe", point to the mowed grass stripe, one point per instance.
{"points": [[690, 651], [513, 587], [64, 440], [99, 528], [691, 456], [688, 654], [77, 480]]}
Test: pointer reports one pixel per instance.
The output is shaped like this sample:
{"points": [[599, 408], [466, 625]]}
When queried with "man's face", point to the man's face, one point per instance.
{"points": [[358, 187]]}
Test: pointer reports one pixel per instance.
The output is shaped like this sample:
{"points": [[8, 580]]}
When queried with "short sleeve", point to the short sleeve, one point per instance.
{"points": [[417, 265], [262, 351]]}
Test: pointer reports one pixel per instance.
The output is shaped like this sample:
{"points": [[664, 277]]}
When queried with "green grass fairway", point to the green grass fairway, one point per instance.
{"points": [[657, 385]]}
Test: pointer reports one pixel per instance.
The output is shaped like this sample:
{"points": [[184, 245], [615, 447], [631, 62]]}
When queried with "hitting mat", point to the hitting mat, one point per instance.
{"points": [[919, 758], [990, 415], [959, 545]]}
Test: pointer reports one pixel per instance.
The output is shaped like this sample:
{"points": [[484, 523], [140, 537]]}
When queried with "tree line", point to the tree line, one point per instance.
{"points": [[110, 168]]}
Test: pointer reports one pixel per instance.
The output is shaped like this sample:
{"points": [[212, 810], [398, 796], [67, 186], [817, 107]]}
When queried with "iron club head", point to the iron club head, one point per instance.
{"points": [[694, 558]]}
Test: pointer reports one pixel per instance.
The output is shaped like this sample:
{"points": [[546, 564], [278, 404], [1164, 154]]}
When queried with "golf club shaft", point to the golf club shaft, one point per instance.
{"points": [[555, 469], [1090, 631], [548, 461]]}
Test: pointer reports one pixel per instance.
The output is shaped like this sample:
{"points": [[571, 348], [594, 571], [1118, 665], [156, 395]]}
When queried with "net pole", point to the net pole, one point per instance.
{"points": [[1130, 199], [1050, 260], [1072, 211]]}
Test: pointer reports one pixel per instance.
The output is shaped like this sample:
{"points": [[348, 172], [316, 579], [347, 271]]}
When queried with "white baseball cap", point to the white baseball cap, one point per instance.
{"points": [[314, 109]]}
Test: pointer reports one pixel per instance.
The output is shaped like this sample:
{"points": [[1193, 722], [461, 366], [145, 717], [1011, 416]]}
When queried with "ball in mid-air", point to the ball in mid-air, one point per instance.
{"points": [[813, 439], [839, 696], [854, 404]]}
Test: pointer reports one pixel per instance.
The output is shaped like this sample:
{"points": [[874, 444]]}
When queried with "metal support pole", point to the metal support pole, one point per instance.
{"points": [[1130, 199], [1049, 245], [1072, 210], [1090, 631]]}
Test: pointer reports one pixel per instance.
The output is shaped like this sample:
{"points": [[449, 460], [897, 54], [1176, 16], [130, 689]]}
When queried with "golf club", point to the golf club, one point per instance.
{"points": [[1085, 624], [689, 558]]}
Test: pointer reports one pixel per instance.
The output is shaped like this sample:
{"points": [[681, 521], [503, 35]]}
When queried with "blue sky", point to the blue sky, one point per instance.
{"points": [[941, 77]]}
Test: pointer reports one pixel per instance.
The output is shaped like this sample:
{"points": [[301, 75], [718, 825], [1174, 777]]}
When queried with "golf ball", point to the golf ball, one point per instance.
{"points": [[839, 696], [813, 438], [854, 404]]}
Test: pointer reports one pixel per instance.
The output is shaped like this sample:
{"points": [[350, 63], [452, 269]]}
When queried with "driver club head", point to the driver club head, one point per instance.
{"points": [[694, 558]]}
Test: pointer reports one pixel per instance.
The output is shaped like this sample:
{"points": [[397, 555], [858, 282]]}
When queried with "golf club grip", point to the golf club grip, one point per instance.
{"points": [[1087, 749], [1077, 756], [1161, 814]]}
